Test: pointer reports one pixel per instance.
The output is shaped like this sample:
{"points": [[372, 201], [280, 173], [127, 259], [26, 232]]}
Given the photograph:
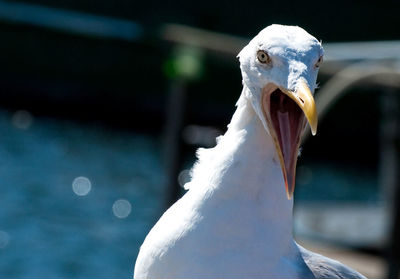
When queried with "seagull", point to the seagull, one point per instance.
{"points": [[235, 220]]}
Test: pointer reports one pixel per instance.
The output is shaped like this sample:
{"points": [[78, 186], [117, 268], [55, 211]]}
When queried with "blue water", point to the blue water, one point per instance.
{"points": [[48, 231]]}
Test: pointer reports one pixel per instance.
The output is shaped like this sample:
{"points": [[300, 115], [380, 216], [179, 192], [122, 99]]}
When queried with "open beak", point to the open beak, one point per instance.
{"points": [[287, 114]]}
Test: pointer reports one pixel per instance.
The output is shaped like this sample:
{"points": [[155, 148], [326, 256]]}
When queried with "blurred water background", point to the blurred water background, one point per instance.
{"points": [[77, 200]]}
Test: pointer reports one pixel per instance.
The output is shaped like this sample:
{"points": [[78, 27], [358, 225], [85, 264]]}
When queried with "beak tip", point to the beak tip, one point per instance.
{"points": [[314, 124], [314, 132], [289, 190]]}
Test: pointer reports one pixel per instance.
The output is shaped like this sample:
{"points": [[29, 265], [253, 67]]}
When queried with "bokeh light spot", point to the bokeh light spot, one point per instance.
{"points": [[81, 186], [184, 177], [22, 119], [201, 135], [122, 208]]}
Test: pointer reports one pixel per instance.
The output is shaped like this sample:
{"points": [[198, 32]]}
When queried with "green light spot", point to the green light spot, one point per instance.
{"points": [[185, 63]]}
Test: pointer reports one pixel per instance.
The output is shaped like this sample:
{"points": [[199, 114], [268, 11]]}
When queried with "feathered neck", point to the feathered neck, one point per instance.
{"points": [[243, 169]]}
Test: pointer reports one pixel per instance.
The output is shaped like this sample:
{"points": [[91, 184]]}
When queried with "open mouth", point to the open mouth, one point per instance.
{"points": [[286, 121]]}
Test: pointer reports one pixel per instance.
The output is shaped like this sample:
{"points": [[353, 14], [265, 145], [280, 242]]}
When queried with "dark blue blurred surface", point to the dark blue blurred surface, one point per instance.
{"points": [[46, 230]]}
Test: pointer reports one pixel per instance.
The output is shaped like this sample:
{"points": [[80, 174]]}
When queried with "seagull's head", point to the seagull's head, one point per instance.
{"points": [[279, 68]]}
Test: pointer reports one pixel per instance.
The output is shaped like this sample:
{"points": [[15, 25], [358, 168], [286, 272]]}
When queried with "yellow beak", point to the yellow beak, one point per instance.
{"points": [[305, 100]]}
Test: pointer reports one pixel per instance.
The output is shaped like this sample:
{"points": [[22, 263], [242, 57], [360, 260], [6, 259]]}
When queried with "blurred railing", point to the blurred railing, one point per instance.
{"points": [[70, 21], [350, 63]]}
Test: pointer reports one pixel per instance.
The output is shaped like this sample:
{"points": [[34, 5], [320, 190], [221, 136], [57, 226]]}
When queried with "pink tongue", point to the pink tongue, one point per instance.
{"points": [[288, 121]]}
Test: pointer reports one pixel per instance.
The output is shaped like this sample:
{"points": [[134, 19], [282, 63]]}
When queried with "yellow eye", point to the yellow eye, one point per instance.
{"points": [[319, 62], [263, 57]]}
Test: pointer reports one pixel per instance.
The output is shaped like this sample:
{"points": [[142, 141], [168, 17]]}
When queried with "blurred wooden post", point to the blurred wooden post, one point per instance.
{"points": [[394, 249], [184, 65], [390, 154], [173, 140]]}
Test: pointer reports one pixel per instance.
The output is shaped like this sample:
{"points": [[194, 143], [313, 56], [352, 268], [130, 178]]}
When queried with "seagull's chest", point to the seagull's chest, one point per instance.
{"points": [[220, 239]]}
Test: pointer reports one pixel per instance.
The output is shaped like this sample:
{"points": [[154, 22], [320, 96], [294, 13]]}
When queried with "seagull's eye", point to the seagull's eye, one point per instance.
{"points": [[263, 57], [319, 61]]}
